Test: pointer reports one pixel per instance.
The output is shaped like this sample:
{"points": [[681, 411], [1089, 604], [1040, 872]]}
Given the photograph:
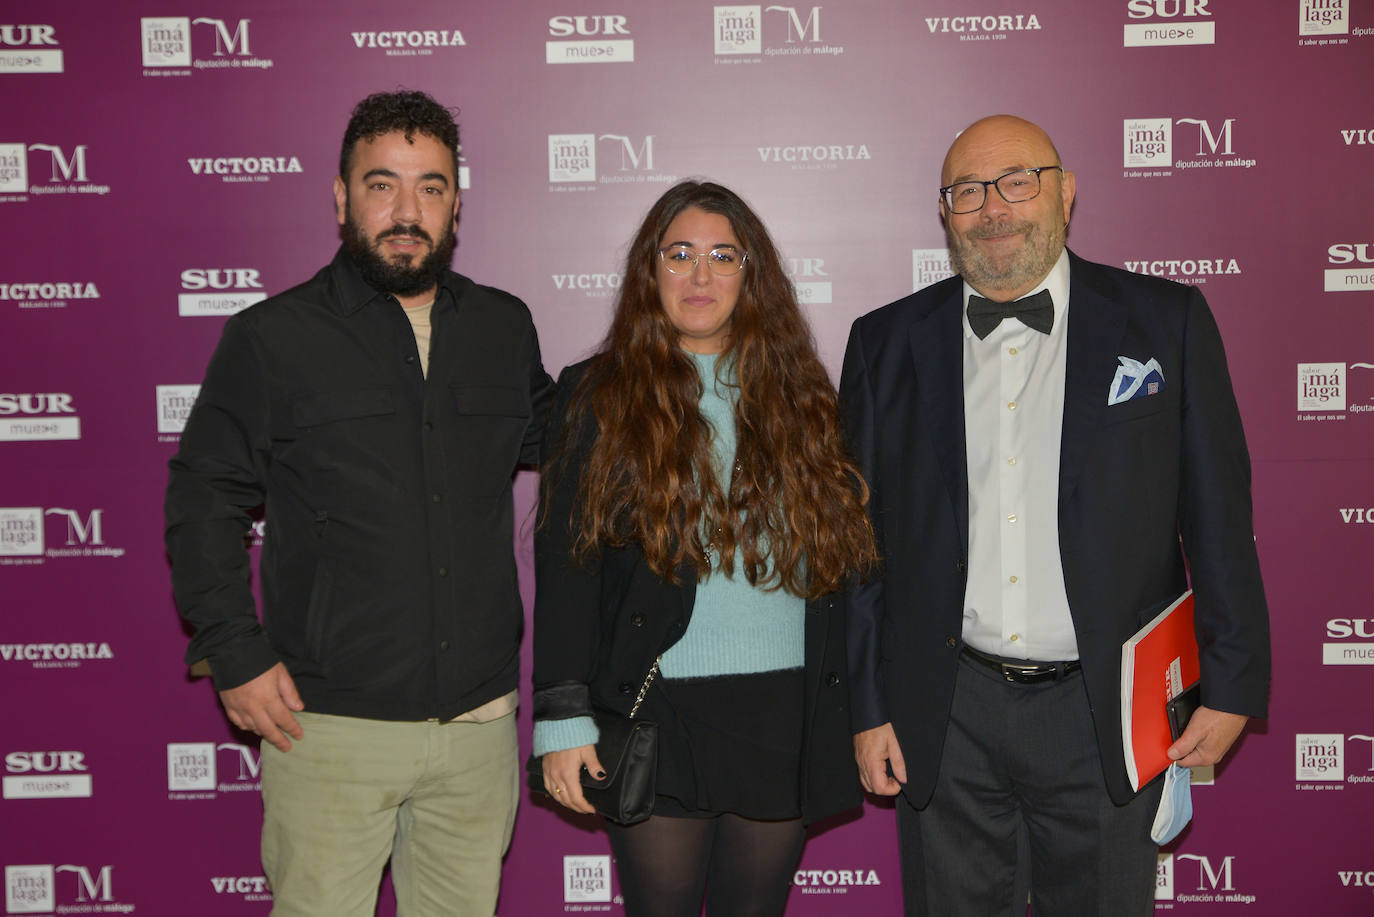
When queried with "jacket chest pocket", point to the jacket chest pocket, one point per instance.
{"points": [[489, 429], [321, 408], [339, 437]]}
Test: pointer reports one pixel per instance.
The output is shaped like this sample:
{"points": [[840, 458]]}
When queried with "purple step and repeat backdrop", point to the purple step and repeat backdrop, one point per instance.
{"points": [[165, 165]]}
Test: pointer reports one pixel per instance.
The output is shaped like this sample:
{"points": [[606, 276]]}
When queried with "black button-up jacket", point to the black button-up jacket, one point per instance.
{"points": [[388, 577]]}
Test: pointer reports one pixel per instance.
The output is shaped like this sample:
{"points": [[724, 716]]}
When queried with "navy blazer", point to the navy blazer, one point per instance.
{"points": [[1134, 478], [599, 627]]}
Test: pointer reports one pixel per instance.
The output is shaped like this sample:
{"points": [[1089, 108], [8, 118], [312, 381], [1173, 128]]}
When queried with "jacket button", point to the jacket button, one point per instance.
{"points": [[832, 679], [961, 566], [951, 642], [637, 619], [626, 687]]}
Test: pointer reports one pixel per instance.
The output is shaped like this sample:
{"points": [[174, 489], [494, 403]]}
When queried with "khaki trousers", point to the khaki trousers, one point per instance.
{"points": [[437, 799]]}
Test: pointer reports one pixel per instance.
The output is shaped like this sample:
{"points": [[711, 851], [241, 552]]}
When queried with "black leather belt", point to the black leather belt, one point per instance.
{"points": [[1025, 673]]}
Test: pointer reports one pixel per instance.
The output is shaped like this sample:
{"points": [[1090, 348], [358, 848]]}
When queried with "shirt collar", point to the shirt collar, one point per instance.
{"points": [[1056, 281], [352, 292]]}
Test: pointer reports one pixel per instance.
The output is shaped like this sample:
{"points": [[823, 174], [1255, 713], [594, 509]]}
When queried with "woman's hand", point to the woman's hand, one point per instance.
{"points": [[563, 775]]}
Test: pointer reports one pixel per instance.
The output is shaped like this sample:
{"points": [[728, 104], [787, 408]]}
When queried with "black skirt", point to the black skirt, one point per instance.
{"points": [[730, 743]]}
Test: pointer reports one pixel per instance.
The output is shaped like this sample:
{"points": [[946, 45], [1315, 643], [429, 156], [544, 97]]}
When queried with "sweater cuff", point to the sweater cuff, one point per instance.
{"points": [[560, 735]]}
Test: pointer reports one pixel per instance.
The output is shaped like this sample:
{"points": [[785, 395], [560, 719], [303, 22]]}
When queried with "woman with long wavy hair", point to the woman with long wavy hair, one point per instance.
{"points": [[698, 513]]}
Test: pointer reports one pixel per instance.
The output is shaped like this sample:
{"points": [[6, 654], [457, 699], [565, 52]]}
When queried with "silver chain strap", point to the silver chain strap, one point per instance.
{"points": [[644, 688]]}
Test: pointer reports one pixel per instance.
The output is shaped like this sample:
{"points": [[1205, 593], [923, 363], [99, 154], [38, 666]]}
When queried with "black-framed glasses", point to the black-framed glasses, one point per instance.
{"points": [[723, 260], [1015, 187]]}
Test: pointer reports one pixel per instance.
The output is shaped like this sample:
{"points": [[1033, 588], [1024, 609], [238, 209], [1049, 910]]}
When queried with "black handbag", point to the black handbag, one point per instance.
{"points": [[628, 749]]}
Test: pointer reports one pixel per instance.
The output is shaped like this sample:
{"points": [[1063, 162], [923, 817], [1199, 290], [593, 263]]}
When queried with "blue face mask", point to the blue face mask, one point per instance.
{"points": [[1175, 806]]}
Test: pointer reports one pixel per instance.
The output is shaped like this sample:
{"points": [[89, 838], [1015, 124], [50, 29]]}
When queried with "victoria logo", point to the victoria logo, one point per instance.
{"points": [[47, 295], [1168, 22], [586, 878], [55, 655], [599, 39], [412, 43], [219, 291], [813, 157], [31, 417], [244, 168], [1184, 270], [252, 888], [46, 775], [29, 49], [594, 286], [833, 881], [984, 26], [1323, 17]]}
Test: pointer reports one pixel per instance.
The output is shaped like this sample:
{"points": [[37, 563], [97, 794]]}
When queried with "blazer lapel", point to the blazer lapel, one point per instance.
{"points": [[937, 349], [1097, 323]]}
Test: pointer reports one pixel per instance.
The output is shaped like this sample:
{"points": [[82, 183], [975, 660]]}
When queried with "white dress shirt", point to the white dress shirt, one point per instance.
{"points": [[1015, 604]]}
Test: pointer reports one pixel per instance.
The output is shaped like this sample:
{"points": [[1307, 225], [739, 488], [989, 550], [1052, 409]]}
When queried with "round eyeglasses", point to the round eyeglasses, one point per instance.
{"points": [[1014, 187], [723, 260]]}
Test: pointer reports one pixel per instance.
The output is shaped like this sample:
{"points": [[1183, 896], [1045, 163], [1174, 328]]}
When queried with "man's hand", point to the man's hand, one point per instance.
{"points": [[563, 775], [1208, 736], [874, 749], [264, 706]]}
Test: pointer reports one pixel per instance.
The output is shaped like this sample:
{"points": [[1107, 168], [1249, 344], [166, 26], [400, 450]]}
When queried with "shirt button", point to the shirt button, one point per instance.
{"points": [[1011, 405], [1012, 460], [443, 571], [1015, 637], [1011, 518], [443, 644], [1016, 579], [429, 425], [637, 620], [1012, 351], [435, 498]]}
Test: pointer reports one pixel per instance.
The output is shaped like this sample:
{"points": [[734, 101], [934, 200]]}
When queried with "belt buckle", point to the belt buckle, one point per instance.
{"points": [[1020, 673]]}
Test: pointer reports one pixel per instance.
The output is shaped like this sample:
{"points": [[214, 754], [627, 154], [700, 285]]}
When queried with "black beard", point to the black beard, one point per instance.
{"points": [[397, 277]]}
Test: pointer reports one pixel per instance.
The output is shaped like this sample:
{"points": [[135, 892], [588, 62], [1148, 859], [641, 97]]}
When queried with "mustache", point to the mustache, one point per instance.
{"points": [[413, 230], [982, 231]]}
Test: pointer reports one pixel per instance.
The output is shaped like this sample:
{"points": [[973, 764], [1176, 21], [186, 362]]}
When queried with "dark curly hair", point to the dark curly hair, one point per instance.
{"points": [[410, 111]]}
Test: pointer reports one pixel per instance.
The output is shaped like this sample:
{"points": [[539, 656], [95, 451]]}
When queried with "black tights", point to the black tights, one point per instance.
{"points": [[744, 866]]}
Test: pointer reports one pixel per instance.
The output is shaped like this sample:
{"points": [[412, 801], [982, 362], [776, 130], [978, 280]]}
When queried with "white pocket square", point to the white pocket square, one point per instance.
{"points": [[1135, 380]]}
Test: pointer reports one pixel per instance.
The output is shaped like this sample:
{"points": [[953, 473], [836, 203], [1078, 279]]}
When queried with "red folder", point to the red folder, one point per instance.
{"points": [[1157, 664]]}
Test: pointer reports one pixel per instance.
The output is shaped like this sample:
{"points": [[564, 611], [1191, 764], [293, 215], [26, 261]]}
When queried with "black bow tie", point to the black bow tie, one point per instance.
{"points": [[1035, 312]]}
